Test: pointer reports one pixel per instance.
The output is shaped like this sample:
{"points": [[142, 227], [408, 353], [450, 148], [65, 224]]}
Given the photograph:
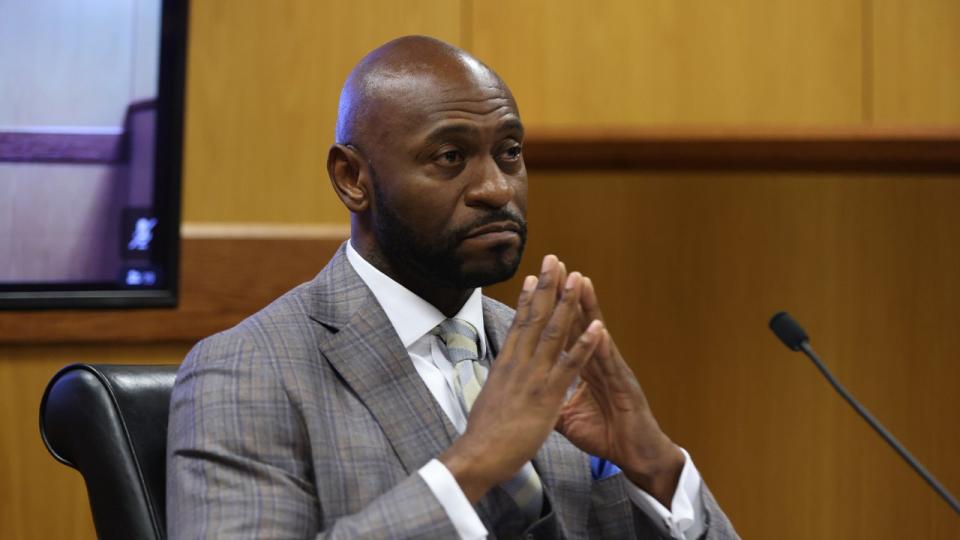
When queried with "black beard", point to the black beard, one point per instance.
{"points": [[435, 258]]}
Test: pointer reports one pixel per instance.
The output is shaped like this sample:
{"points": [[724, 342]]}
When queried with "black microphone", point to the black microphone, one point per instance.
{"points": [[793, 336]]}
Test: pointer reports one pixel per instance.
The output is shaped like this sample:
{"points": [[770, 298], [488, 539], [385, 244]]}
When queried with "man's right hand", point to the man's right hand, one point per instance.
{"points": [[521, 399]]}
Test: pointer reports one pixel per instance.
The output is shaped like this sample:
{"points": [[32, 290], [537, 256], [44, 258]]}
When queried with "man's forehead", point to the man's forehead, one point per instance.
{"points": [[414, 81], [426, 97], [436, 85]]}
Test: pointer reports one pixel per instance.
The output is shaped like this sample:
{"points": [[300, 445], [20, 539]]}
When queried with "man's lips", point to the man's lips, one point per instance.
{"points": [[509, 227]]}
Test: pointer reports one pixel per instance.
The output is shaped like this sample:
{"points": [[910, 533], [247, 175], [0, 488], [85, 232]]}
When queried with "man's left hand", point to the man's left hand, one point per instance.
{"points": [[608, 416]]}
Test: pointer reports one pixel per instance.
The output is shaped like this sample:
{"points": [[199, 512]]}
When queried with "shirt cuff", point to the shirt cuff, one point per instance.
{"points": [[458, 508], [685, 518]]}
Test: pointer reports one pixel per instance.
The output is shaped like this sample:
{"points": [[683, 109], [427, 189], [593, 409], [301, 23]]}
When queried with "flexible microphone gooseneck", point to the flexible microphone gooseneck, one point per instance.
{"points": [[793, 336]]}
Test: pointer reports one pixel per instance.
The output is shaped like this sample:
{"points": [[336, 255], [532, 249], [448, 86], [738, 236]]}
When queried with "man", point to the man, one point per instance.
{"points": [[352, 406]]}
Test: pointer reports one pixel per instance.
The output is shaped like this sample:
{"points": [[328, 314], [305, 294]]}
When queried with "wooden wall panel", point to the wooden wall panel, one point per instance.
{"points": [[916, 62], [691, 266], [263, 83], [39, 497], [669, 62]]}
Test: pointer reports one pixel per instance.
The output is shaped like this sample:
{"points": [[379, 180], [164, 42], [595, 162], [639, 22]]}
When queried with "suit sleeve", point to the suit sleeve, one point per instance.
{"points": [[239, 462], [612, 513]]}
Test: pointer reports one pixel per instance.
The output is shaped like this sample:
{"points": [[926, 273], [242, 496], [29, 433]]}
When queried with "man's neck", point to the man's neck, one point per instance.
{"points": [[447, 300]]}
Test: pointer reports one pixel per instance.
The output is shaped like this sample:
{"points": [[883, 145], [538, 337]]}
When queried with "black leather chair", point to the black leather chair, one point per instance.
{"points": [[110, 423]]}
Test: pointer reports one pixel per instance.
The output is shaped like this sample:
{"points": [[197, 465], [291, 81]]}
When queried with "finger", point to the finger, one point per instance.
{"points": [[579, 325], [568, 367], [561, 279], [523, 308], [591, 308], [541, 307], [607, 366], [589, 301], [553, 338], [583, 319], [605, 360]]}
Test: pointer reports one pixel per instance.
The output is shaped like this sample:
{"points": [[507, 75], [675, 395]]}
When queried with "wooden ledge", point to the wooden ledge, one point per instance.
{"points": [[922, 149], [222, 281]]}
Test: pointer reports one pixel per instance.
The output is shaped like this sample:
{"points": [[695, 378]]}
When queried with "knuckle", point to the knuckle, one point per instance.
{"points": [[533, 318], [552, 331], [525, 299], [571, 297]]}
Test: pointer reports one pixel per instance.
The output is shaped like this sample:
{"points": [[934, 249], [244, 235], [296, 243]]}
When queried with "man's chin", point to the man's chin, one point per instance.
{"points": [[484, 272]]}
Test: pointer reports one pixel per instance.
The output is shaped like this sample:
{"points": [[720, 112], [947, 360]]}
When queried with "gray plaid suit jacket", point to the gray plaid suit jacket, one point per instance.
{"points": [[308, 420]]}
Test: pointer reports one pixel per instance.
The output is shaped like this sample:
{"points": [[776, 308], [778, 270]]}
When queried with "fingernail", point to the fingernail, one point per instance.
{"points": [[529, 283], [571, 280], [548, 262], [595, 327]]}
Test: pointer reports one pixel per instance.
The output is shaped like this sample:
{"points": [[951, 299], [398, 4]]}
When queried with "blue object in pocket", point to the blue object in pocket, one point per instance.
{"points": [[601, 468]]}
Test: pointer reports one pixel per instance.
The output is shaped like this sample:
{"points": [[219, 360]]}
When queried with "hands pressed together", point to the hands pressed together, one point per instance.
{"points": [[557, 335]]}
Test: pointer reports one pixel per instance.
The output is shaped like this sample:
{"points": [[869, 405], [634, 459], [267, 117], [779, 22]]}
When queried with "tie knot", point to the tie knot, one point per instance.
{"points": [[460, 339]]}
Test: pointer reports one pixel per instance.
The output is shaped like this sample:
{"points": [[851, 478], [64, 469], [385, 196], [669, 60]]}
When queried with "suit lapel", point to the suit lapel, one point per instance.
{"points": [[366, 351]]}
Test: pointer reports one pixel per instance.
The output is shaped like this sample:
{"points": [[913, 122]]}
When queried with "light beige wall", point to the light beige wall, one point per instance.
{"points": [[76, 62]]}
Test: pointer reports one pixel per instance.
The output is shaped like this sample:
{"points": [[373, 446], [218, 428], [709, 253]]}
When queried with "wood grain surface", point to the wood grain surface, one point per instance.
{"points": [[689, 268], [223, 280], [657, 62], [262, 91], [914, 62]]}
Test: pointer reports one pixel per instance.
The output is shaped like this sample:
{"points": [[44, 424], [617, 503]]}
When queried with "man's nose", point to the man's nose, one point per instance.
{"points": [[490, 186]]}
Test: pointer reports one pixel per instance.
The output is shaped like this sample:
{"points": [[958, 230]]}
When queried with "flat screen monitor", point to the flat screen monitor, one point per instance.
{"points": [[91, 131]]}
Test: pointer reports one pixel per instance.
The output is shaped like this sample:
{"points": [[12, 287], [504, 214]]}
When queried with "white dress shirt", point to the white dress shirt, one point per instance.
{"points": [[413, 318]]}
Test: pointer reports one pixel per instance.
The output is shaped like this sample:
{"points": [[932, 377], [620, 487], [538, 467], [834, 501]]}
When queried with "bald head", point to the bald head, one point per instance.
{"points": [[386, 78]]}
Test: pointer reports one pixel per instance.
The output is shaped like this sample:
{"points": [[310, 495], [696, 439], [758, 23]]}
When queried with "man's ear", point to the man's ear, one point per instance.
{"points": [[349, 175]]}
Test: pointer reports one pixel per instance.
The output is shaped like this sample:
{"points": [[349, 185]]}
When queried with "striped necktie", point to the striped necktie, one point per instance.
{"points": [[459, 341]]}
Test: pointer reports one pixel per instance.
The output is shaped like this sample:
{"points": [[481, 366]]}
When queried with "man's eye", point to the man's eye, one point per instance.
{"points": [[450, 157], [513, 152]]}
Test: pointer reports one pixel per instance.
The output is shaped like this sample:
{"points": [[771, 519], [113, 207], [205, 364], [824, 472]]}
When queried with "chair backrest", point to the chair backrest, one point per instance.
{"points": [[110, 423]]}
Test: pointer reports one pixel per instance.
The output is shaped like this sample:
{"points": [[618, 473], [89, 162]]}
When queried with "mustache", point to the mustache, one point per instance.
{"points": [[497, 216]]}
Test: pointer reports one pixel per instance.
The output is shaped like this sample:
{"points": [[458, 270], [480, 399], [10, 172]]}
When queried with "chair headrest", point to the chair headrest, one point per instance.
{"points": [[110, 423]]}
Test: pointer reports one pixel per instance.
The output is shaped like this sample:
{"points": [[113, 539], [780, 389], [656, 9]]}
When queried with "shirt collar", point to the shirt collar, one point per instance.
{"points": [[411, 316]]}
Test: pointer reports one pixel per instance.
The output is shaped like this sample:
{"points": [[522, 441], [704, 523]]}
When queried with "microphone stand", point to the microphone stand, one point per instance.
{"points": [[878, 427], [795, 338]]}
